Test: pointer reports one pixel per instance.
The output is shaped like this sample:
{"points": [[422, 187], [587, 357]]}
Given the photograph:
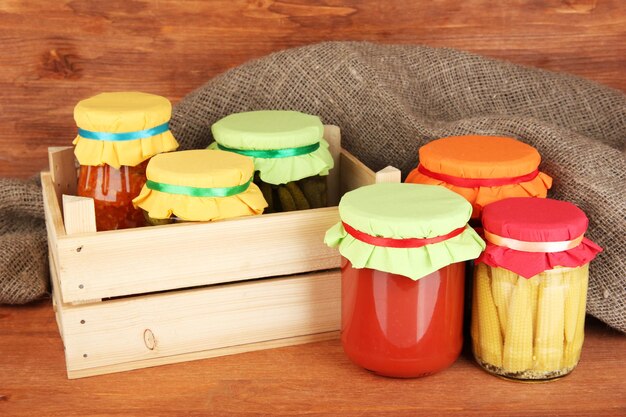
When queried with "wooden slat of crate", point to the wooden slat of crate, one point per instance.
{"points": [[203, 354], [176, 326], [133, 261]]}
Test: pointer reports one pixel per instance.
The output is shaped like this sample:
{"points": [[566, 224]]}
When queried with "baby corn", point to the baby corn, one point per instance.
{"points": [[528, 328], [550, 322], [502, 284], [517, 355], [490, 340]]}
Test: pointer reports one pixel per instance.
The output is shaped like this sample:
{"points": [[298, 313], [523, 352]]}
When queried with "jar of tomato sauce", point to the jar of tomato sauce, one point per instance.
{"points": [[530, 288], [117, 134], [403, 248], [291, 158]]}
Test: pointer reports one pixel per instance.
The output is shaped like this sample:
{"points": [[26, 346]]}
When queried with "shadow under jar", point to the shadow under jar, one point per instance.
{"points": [[291, 157], [403, 249]]}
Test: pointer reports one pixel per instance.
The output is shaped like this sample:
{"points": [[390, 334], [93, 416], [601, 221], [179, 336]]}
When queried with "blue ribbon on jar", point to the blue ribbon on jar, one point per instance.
{"points": [[118, 137]]}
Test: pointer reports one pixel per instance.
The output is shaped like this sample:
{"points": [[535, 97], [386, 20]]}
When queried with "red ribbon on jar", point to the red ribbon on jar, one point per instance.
{"points": [[408, 243], [477, 182]]}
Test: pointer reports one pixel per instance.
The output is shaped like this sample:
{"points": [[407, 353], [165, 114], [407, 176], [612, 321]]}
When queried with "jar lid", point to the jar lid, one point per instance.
{"points": [[122, 128], [200, 185], [475, 156], [532, 235], [483, 169], [285, 145], [406, 229]]}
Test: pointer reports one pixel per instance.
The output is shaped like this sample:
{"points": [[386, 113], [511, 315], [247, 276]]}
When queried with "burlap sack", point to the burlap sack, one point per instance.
{"points": [[389, 100], [23, 247]]}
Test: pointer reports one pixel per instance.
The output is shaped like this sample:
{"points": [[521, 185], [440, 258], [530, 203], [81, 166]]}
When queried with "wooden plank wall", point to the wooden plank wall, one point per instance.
{"points": [[55, 53]]}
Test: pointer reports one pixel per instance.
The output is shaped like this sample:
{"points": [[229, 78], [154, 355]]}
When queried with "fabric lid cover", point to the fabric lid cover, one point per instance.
{"points": [[272, 130], [483, 157], [122, 112], [200, 169], [535, 220], [405, 211]]}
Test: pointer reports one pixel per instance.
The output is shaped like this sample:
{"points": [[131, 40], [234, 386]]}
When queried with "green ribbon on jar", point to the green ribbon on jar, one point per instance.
{"points": [[198, 191], [273, 153]]}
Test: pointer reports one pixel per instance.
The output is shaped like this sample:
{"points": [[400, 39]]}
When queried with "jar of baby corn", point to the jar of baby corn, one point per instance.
{"points": [[530, 288]]}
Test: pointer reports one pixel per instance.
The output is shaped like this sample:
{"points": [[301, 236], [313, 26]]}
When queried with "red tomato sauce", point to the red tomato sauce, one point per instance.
{"points": [[113, 191], [397, 327]]}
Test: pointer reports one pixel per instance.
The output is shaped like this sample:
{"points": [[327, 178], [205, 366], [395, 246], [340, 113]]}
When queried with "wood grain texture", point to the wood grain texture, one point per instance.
{"points": [[314, 380], [110, 336], [56, 53], [79, 214]]}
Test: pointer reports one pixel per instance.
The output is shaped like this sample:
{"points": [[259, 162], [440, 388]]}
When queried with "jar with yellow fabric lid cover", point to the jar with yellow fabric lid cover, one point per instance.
{"points": [[483, 169], [117, 134], [199, 185], [290, 155], [530, 288]]}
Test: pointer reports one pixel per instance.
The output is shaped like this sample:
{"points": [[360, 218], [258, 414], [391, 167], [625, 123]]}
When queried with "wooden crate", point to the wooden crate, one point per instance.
{"points": [[134, 298]]}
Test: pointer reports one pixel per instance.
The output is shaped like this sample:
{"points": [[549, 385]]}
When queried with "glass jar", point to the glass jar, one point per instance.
{"points": [[403, 249], [530, 289], [113, 191], [307, 193], [529, 328], [483, 169], [199, 185], [398, 327], [117, 134], [291, 157]]}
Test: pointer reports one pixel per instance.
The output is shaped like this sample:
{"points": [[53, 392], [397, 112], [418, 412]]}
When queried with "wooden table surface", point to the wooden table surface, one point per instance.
{"points": [[314, 379]]}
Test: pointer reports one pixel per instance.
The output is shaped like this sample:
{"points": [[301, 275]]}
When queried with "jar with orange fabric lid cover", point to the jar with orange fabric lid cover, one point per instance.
{"points": [[530, 287], [483, 169], [117, 134]]}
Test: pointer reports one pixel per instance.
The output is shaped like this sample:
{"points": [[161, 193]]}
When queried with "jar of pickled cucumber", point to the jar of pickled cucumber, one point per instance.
{"points": [[291, 157], [117, 134], [530, 288], [483, 169], [403, 248], [199, 185]]}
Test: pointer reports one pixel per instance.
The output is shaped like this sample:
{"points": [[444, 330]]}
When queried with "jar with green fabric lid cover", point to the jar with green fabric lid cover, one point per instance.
{"points": [[199, 185], [291, 157], [403, 248], [117, 134]]}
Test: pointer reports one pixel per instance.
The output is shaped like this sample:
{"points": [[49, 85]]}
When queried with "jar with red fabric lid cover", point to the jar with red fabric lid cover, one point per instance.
{"points": [[530, 288]]}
